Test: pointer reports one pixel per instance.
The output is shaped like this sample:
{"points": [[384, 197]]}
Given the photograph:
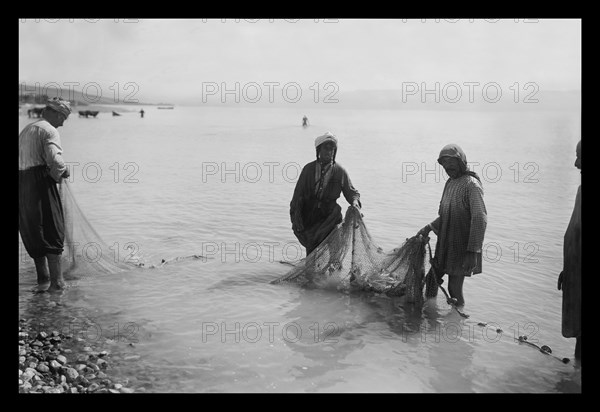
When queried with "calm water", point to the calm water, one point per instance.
{"points": [[218, 181]]}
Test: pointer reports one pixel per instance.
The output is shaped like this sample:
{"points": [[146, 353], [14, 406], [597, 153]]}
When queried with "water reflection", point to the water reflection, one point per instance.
{"points": [[324, 327], [340, 332], [570, 381], [437, 332]]}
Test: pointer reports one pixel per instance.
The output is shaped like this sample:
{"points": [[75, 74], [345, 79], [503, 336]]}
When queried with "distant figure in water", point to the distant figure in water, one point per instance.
{"points": [[142, 113], [305, 121], [41, 170], [569, 280]]}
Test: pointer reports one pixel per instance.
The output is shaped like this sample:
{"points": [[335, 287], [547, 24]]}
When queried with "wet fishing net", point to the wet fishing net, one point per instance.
{"points": [[349, 259], [85, 253]]}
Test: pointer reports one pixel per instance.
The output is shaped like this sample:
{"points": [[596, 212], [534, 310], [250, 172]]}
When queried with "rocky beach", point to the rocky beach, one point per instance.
{"points": [[48, 363]]}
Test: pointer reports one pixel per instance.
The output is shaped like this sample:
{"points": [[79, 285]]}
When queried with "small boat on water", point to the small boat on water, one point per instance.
{"points": [[165, 107], [115, 113]]}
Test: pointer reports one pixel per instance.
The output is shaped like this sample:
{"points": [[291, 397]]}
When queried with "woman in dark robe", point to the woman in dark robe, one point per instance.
{"points": [[314, 211], [569, 279]]}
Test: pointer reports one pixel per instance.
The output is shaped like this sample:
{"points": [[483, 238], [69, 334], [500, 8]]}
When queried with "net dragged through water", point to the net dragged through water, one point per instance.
{"points": [[86, 254], [349, 259]]}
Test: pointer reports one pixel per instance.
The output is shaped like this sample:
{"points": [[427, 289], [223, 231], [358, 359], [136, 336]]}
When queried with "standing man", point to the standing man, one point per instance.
{"points": [[460, 226], [313, 210], [569, 280], [41, 168]]}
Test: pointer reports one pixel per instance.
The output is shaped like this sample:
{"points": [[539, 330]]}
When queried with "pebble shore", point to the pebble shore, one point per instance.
{"points": [[47, 366]]}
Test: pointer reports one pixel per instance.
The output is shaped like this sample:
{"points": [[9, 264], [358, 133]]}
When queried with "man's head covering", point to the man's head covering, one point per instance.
{"points": [[327, 137], [454, 150], [59, 105]]}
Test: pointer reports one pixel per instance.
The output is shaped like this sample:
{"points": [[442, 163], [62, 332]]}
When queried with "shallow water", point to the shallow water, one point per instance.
{"points": [[218, 181]]}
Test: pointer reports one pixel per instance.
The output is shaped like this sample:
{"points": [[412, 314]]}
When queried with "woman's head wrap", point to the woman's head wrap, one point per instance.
{"points": [[454, 150], [327, 137]]}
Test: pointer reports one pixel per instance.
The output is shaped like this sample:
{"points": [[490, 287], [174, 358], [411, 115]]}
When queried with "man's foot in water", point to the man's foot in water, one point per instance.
{"points": [[43, 282], [56, 286]]}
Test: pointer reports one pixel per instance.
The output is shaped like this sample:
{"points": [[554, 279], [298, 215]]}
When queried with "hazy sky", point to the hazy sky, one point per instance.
{"points": [[180, 59]]}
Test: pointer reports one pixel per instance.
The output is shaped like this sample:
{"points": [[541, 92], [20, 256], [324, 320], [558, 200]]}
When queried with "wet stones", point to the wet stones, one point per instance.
{"points": [[46, 367]]}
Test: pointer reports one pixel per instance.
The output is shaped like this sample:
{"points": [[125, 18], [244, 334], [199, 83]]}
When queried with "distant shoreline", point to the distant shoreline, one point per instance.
{"points": [[102, 108]]}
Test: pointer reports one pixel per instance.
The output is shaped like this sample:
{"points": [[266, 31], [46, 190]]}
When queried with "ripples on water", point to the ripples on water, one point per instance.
{"points": [[218, 182]]}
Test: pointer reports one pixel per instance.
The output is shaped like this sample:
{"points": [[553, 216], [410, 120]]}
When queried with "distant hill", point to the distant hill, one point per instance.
{"points": [[450, 98], [37, 93], [505, 100], [499, 99]]}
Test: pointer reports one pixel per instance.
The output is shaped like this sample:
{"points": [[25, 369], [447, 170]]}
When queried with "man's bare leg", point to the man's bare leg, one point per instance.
{"points": [[56, 277], [41, 268]]}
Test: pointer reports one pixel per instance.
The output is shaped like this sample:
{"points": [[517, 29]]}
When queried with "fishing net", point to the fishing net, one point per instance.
{"points": [[349, 259], [84, 251]]}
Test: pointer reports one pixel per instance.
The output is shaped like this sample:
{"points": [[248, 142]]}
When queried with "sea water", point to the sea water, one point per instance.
{"points": [[217, 181]]}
